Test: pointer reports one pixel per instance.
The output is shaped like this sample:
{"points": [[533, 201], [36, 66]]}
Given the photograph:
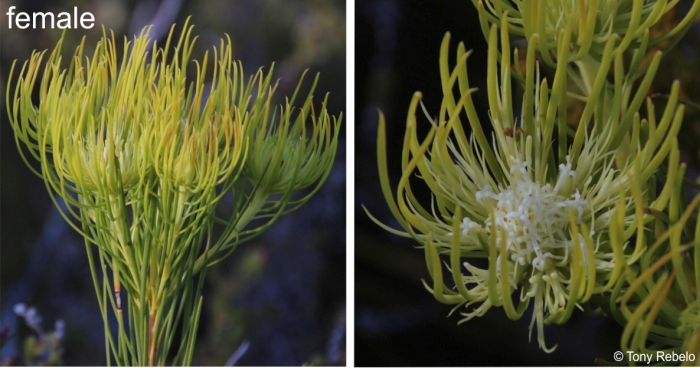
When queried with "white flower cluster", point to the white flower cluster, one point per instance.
{"points": [[535, 220], [534, 217]]}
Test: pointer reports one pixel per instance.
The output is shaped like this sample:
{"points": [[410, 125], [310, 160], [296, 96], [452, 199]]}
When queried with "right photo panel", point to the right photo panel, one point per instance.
{"points": [[527, 183]]}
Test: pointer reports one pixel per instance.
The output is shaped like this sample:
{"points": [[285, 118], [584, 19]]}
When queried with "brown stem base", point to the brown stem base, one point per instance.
{"points": [[151, 342]]}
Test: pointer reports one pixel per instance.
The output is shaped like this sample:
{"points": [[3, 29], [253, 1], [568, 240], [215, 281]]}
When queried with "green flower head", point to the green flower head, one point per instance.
{"points": [[291, 156], [538, 198]]}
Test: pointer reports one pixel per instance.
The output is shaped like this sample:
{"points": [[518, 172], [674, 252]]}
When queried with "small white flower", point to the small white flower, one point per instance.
{"points": [[484, 193], [467, 224]]}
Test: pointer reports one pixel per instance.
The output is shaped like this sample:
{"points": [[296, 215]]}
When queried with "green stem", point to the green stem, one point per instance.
{"points": [[253, 206]]}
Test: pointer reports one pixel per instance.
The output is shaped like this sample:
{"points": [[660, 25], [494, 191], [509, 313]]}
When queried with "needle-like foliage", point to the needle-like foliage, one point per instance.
{"points": [[558, 212], [142, 153]]}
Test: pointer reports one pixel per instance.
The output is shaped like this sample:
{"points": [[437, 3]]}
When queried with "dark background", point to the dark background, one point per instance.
{"points": [[284, 292], [398, 322]]}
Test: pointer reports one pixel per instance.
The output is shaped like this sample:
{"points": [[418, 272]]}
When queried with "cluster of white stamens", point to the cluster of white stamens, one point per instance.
{"points": [[533, 217], [535, 221]]}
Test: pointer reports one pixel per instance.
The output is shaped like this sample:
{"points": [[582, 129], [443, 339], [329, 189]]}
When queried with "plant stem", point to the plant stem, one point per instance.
{"points": [[151, 341], [252, 208]]}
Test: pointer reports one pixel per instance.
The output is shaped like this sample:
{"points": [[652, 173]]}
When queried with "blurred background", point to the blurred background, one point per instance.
{"points": [[397, 321], [279, 299]]}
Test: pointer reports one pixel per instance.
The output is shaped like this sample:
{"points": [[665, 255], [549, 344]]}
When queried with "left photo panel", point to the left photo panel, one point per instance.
{"points": [[172, 182]]}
